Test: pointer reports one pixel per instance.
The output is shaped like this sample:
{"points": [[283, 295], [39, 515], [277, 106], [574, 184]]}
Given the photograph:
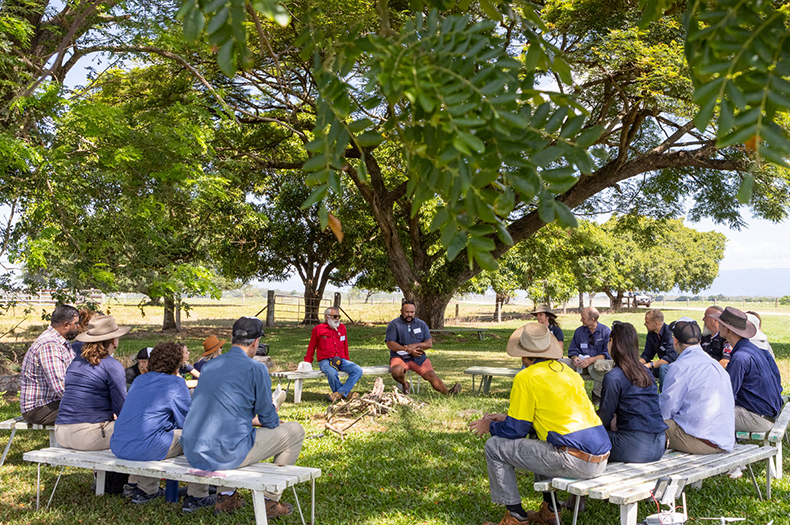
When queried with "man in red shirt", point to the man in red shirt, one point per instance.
{"points": [[329, 342]]}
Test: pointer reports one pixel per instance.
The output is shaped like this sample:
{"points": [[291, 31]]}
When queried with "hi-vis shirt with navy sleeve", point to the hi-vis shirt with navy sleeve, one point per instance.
{"points": [[550, 397]]}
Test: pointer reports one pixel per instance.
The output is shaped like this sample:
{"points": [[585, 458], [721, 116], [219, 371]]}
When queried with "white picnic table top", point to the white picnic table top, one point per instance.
{"points": [[315, 374]]}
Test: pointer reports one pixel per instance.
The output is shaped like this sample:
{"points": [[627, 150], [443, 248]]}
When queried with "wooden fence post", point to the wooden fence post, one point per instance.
{"points": [[456, 310], [336, 304], [270, 308]]}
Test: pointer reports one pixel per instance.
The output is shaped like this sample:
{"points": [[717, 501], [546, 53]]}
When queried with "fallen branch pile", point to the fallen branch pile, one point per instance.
{"points": [[376, 403]]}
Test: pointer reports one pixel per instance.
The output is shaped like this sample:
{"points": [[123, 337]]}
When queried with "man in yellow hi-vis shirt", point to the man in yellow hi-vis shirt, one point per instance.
{"points": [[548, 399]]}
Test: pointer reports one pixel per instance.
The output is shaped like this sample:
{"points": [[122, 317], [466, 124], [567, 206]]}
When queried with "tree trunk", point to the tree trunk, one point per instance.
{"points": [[369, 295], [431, 308], [169, 320], [312, 305], [500, 302], [581, 300]]}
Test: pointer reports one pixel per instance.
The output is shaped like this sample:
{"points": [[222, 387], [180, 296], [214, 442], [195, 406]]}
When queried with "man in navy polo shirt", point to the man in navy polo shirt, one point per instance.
{"points": [[756, 383], [588, 349], [659, 343], [407, 339]]}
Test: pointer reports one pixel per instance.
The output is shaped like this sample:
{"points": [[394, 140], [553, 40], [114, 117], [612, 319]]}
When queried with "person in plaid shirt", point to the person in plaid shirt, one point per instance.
{"points": [[44, 367]]}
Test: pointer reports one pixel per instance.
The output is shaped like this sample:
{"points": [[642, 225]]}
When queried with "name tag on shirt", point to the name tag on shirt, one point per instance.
{"points": [[342, 338], [418, 330], [583, 346]]}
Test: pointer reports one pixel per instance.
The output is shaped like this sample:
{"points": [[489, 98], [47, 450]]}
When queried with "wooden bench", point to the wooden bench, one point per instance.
{"points": [[773, 437], [18, 423], [258, 478], [299, 377], [486, 373], [480, 331], [626, 484]]}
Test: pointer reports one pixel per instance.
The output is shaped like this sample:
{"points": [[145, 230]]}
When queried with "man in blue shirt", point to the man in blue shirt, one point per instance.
{"points": [[659, 342], [407, 339], [232, 421], [696, 402], [756, 383], [588, 349]]}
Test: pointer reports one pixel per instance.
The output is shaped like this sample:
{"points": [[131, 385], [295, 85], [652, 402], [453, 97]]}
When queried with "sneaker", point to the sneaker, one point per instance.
{"points": [[141, 498], [278, 399], [227, 503], [735, 473], [128, 490], [275, 509], [192, 503], [456, 389]]}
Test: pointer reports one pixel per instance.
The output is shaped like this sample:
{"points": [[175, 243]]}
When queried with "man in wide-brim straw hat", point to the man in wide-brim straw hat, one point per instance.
{"points": [[756, 383], [546, 317], [548, 398]]}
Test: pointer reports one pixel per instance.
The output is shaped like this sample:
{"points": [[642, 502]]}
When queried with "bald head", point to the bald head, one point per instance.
{"points": [[589, 317], [710, 323]]}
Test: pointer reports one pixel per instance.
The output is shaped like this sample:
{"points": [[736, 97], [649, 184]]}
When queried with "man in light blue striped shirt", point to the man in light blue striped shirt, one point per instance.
{"points": [[697, 402]]}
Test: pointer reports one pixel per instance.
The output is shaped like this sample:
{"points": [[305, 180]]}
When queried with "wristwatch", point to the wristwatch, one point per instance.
{"points": [[651, 364]]}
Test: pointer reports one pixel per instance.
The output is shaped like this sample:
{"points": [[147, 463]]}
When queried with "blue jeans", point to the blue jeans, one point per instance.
{"points": [[634, 446], [353, 370], [660, 373]]}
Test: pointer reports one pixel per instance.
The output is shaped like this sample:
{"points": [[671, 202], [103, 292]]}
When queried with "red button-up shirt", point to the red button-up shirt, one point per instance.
{"points": [[328, 343]]}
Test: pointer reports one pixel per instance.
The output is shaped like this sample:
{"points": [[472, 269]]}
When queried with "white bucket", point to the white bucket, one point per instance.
{"points": [[666, 518]]}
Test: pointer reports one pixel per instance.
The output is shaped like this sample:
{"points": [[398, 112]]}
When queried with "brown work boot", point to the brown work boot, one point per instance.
{"points": [[352, 395], [543, 517], [509, 519], [570, 503], [228, 503], [456, 389], [275, 509], [334, 397]]}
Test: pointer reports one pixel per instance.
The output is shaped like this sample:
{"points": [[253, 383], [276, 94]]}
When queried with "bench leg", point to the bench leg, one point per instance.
{"points": [[259, 504], [488, 384], [777, 461], [298, 385], [312, 497], [754, 480], [101, 475], [56, 485], [473, 383], [298, 505], [53, 441], [628, 514], [576, 509], [5, 451], [768, 478], [38, 484], [480, 335], [554, 504]]}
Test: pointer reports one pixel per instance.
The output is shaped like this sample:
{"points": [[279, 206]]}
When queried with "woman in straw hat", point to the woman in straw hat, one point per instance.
{"points": [[548, 398], [547, 318], [629, 402], [95, 389]]}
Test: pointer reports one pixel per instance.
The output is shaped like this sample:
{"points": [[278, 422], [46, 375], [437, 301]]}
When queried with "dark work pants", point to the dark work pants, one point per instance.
{"points": [[634, 446], [43, 415]]}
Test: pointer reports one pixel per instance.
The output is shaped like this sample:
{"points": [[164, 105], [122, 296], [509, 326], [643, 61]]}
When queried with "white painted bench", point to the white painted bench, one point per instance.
{"points": [[773, 437], [258, 478], [486, 373], [299, 377], [18, 423], [626, 484]]}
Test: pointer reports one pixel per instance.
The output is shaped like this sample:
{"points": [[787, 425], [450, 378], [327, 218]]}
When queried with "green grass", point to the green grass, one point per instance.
{"points": [[417, 466]]}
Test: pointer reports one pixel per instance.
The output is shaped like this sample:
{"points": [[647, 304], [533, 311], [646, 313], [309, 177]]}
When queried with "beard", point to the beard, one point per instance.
{"points": [[71, 334], [333, 323], [705, 331], [408, 318]]}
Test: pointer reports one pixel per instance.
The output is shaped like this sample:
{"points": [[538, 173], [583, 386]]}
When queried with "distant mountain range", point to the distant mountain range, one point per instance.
{"points": [[768, 282]]}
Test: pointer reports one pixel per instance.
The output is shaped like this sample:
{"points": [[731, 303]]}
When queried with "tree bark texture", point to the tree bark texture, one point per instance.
{"points": [[169, 319]]}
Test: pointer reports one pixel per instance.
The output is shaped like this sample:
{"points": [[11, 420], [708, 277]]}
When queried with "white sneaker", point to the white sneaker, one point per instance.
{"points": [[735, 473], [278, 397]]}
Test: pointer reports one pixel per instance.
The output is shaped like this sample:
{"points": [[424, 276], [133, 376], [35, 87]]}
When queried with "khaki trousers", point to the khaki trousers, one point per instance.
{"points": [[746, 421], [677, 439], [151, 485], [283, 444], [85, 436]]}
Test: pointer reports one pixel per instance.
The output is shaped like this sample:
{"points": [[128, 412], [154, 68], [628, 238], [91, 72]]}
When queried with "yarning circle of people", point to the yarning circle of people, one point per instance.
{"points": [[689, 390]]}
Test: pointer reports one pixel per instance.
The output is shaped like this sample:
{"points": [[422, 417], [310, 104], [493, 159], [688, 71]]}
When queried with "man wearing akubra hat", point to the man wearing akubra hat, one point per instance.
{"points": [[696, 401], [546, 317], [140, 367], [548, 398], [232, 421], [756, 383]]}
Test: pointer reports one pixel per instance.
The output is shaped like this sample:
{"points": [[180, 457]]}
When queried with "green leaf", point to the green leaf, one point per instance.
{"points": [[371, 138], [745, 191], [314, 163], [193, 25], [475, 143], [226, 58], [456, 245], [546, 207], [318, 194], [490, 11], [486, 261], [359, 125], [565, 216]]}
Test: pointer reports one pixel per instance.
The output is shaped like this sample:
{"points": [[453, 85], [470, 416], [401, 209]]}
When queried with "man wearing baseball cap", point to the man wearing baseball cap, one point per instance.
{"points": [[548, 398], [696, 401], [756, 383], [232, 421]]}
